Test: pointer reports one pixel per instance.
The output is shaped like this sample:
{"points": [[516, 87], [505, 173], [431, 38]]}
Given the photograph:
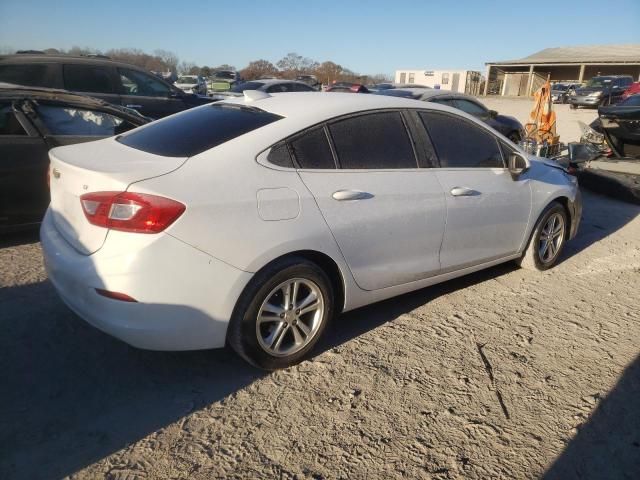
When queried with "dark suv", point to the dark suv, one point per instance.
{"points": [[114, 82], [603, 90]]}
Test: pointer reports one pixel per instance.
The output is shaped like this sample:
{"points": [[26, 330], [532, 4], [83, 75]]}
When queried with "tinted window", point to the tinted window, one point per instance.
{"points": [[280, 87], [87, 78], [9, 124], [241, 87], [470, 107], [377, 140], [197, 130], [138, 83], [459, 143], [444, 101], [280, 156], [61, 120], [312, 150], [31, 75], [301, 87]]}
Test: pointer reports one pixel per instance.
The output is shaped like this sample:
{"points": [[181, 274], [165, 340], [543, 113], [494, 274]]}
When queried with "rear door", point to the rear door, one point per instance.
{"points": [[92, 80], [24, 194], [386, 214], [147, 94], [487, 210]]}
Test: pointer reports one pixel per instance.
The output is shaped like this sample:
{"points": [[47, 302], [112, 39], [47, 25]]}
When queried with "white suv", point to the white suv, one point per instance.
{"points": [[255, 221]]}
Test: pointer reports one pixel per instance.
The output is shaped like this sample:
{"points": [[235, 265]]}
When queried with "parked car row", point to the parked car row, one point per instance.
{"points": [[599, 91]]}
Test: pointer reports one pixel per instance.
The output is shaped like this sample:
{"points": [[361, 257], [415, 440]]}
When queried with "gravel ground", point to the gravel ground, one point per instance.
{"points": [[506, 373]]}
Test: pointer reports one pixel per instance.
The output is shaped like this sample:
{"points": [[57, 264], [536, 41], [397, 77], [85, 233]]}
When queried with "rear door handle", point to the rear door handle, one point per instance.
{"points": [[342, 195], [464, 192]]}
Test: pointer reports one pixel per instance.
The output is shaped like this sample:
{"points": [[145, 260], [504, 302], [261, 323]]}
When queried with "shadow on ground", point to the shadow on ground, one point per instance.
{"points": [[608, 444]]}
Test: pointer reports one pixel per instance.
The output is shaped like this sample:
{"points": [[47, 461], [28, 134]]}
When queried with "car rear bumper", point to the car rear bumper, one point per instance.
{"points": [[185, 298]]}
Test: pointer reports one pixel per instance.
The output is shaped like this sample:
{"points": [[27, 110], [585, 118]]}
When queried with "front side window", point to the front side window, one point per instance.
{"points": [[461, 144], [312, 150], [33, 75], [138, 83], [87, 78], [61, 120], [196, 130], [373, 141], [9, 124]]}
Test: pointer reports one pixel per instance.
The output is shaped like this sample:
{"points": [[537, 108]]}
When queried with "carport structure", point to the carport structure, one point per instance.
{"points": [[570, 64]]}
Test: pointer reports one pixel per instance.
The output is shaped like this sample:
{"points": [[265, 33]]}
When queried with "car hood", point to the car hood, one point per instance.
{"points": [[507, 119]]}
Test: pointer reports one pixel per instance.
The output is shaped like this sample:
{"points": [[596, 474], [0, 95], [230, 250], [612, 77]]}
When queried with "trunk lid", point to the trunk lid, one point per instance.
{"points": [[104, 165]]}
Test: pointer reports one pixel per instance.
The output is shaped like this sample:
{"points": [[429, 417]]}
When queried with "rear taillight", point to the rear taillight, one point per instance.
{"points": [[130, 212]]}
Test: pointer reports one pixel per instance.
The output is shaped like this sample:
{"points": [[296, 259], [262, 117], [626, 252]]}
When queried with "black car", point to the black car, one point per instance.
{"points": [[508, 126], [114, 82], [620, 125], [600, 91], [34, 120]]}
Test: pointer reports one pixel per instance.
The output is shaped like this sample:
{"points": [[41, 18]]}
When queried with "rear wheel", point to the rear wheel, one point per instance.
{"points": [[547, 240], [282, 314]]}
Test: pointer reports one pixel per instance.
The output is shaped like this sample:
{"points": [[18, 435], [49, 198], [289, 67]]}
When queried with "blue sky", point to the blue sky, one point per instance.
{"points": [[366, 36]]}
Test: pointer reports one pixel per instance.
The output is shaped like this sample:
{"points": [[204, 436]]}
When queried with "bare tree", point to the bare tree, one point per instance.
{"points": [[170, 59], [258, 69], [293, 64]]}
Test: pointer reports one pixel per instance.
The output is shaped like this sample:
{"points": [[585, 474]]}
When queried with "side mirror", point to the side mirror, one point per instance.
{"points": [[493, 114], [517, 164]]}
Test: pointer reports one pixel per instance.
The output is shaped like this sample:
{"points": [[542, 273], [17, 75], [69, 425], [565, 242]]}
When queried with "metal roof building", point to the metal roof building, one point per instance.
{"points": [[572, 64]]}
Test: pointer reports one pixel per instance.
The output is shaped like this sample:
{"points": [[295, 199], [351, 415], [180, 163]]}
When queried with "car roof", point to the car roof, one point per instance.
{"points": [[314, 107], [426, 93], [30, 58]]}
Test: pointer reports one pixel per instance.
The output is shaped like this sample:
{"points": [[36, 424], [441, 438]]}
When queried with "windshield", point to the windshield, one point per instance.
{"points": [[187, 80], [598, 82], [247, 86]]}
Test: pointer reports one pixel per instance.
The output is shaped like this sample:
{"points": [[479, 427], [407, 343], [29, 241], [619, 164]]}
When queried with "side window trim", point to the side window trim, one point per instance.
{"points": [[425, 151], [332, 147]]}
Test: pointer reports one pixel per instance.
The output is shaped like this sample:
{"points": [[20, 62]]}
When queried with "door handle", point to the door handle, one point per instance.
{"points": [[133, 106], [341, 195], [464, 192]]}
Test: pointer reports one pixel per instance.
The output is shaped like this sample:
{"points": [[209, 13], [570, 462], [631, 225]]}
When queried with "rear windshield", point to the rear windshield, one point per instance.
{"points": [[197, 130]]}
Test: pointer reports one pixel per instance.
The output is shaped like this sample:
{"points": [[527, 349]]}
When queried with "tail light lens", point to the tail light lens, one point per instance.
{"points": [[130, 212]]}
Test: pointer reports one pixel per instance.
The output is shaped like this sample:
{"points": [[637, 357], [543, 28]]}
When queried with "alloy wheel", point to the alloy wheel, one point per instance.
{"points": [[290, 317], [551, 238]]}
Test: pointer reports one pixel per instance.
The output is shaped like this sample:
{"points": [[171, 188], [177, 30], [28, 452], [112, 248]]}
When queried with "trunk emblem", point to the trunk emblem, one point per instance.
{"points": [[56, 173]]}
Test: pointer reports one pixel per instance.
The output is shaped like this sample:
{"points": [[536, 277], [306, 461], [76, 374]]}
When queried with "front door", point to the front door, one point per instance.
{"points": [[386, 215], [24, 194], [487, 210]]}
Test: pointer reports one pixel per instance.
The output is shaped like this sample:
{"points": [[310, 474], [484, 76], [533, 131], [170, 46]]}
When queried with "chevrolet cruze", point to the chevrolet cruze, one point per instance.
{"points": [[255, 221]]}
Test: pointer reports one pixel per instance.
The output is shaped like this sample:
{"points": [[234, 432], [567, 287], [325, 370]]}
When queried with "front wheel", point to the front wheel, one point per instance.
{"points": [[282, 314], [547, 240]]}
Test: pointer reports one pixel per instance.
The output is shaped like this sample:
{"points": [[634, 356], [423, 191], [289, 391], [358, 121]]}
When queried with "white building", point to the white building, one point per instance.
{"points": [[465, 81]]}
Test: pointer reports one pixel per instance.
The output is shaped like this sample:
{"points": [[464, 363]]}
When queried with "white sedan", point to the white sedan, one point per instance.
{"points": [[255, 221]]}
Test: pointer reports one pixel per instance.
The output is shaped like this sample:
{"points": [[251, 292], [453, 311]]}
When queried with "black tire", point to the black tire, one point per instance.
{"points": [[242, 333], [531, 258]]}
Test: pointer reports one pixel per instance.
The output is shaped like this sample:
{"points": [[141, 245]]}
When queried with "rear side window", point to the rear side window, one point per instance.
{"points": [[312, 150], [197, 130], [33, 75], [376, 140], [460, 144], [63, 120], [280, 156], [87, 78], [471, 108]]}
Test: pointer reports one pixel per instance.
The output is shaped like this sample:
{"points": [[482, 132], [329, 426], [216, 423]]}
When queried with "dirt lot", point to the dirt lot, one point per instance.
{"points": [[503, 374]]}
